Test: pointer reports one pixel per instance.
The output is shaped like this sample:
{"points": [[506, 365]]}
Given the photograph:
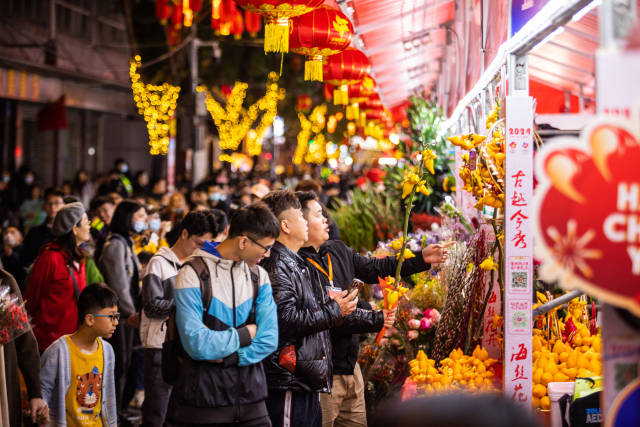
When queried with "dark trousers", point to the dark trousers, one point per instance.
{"points": [[256, 422], [156, 391], [123, 342], [294, 409]]}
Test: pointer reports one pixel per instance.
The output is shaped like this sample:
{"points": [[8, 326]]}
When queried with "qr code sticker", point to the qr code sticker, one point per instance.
{"points": [[518, 279]]}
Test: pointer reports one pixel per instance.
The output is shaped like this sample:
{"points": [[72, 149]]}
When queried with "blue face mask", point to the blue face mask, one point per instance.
{"points": [[139, 226], [216, 197], [155, 224]]}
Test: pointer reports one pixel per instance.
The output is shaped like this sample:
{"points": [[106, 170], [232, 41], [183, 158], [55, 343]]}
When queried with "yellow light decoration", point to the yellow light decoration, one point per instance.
{"points": [[312, 125], [234, 122], [156, 104], [255, 137], [317, 152]]}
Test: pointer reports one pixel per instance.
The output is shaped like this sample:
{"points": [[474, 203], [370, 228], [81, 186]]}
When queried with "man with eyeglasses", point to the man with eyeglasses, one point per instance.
{"points": [[220, 380], [301, 368], [40, 235], [157, 304]]}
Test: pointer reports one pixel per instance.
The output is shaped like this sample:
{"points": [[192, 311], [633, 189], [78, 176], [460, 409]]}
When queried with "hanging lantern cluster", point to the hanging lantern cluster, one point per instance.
{"points": [[277, 14], [311, 135], [156, 103], [227, 19], [233, 121], [343, 69], [320, 33]]}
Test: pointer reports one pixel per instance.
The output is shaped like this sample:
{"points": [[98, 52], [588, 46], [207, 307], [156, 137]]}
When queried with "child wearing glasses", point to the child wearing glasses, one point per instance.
{"points": [[77, 370]]}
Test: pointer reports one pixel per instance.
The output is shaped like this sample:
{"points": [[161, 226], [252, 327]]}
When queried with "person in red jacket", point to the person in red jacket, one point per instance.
{"points": [[58, 277]]}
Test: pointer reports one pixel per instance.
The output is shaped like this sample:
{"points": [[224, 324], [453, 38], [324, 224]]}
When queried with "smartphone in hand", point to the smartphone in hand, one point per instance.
{"points": [[356, 284]]}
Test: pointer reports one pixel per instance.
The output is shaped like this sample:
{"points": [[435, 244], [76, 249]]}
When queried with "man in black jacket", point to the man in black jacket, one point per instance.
{"points": [[338, 265], [301, 367]]}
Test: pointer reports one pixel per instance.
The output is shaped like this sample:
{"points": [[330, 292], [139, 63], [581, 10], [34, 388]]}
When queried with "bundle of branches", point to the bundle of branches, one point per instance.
{"points": [[371, 217], [465, 282]]}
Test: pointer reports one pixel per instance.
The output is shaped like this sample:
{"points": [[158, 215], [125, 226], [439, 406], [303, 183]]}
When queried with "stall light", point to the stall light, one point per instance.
{"points": [[550, 37], [387, 161], [549, 14], [395, 138], [586, 10], [278, 126], [333, 163], [348, 161], [91, 151]]}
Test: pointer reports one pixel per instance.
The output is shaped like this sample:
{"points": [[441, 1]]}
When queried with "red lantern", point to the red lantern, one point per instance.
{"points": [[163, 11], [226, 10], [176, 17], [195, 5], [303, 103], [253, 22], [237, 25], [277, 15], [373, 103], [343, 69], [361, 91], [322, 32]]}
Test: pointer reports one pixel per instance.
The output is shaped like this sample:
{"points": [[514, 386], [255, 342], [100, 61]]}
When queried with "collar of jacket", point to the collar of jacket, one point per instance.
{"points": [[223, 263], [286, 255]]}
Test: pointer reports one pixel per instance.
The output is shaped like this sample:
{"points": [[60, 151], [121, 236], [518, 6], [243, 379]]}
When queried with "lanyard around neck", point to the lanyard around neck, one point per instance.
{"points": [[319, 267]]}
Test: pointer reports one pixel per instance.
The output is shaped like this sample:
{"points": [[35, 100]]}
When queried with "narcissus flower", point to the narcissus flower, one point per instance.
{"points": [[488, 264], [407, 254], [428, 156]]}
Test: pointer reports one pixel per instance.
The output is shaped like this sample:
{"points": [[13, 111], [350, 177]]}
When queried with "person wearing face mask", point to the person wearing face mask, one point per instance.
{"points": [[121, 167], [157, 304], [40, 235], [58, 277], [153, 238], [121, 270], [12, 243]]}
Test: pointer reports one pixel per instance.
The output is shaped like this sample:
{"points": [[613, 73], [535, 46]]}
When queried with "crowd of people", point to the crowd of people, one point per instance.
{"points": [[230, 304]]}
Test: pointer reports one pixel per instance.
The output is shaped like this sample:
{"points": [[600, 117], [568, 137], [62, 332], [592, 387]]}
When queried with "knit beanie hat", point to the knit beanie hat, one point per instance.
{"points": [[68, 216]]}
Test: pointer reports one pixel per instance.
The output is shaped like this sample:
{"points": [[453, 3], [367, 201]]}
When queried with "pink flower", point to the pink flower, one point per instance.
{"points": [[425, 323], [433, 314], [412, 335], [414, 324]]}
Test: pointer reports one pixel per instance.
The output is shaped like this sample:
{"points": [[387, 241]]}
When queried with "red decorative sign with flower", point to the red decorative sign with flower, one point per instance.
{"points": [[588, 212]]}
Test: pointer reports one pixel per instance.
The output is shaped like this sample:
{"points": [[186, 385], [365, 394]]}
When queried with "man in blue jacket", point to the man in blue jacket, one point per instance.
{"points": [[220, 378]]}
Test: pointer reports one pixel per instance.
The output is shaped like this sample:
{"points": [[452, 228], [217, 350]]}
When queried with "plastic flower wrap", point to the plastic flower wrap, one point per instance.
{"points": [[13, 316], [391, 294]]}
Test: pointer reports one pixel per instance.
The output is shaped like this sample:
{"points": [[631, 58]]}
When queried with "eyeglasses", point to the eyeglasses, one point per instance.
{"points": [[113, 317], [266, 248]]}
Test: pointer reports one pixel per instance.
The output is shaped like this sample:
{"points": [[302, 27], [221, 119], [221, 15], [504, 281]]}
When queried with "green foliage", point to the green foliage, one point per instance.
{"points": [[371, 217]]}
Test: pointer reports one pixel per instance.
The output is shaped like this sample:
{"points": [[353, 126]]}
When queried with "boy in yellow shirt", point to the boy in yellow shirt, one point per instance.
{"points": [[77, 370]]}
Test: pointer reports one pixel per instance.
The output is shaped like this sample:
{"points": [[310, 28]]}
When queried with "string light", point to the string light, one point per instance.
{"points": [[273, 95], [234, 122], [313, 125], [156, 104]]}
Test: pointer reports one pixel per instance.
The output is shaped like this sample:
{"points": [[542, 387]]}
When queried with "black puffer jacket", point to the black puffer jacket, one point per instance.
{"points": [[305, 315], [347, 265]]}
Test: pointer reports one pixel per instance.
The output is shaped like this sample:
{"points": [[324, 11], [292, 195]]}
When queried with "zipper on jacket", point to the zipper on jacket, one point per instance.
{"points": [[233, 294]]}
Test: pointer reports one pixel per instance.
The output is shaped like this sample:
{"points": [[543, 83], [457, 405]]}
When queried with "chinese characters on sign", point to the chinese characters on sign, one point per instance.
{"points": [[518, 248]]}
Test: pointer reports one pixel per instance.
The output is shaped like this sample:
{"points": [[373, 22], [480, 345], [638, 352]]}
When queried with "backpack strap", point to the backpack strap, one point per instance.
{"points": [[255, 281], [202, 271], [76, 289]]}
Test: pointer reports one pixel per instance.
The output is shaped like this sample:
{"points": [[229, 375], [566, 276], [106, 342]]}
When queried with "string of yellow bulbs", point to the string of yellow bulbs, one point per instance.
{"points": [[234, 122], [313, 125], [156, 103]]}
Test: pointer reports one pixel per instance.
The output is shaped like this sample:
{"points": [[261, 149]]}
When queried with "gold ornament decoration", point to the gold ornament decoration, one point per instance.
{"points": [[311, 142], [234, 122], [156, 103]]}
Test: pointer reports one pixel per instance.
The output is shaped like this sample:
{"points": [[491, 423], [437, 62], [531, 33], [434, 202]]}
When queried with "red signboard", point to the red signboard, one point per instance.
{"points": [[588, 212]]}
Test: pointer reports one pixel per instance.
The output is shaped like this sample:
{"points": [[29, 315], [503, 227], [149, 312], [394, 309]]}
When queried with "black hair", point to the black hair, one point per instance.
{"points": [[53, 192], [70, 198], [304, 197], [255, 220], [199, 223], [281, 200], [121, 222], [93, 298], [96, 202], [221, 220], [69, 244], [144, 257], [309, 185], [201, 188]]}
